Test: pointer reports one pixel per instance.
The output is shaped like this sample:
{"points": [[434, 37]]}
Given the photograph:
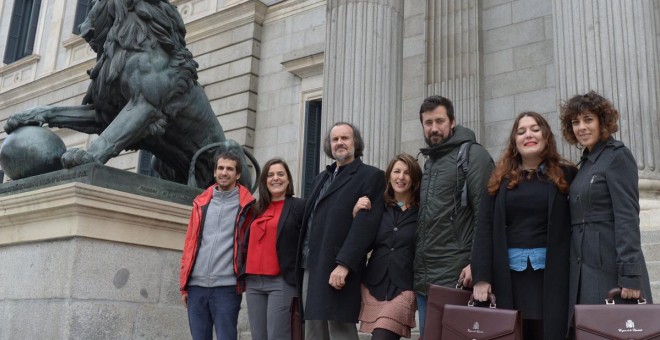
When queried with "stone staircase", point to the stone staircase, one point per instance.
{"points": [[651, 248]]}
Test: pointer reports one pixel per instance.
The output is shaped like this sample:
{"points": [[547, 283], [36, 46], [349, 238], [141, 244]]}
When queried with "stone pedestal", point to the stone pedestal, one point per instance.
{"points": [[85, 262]]}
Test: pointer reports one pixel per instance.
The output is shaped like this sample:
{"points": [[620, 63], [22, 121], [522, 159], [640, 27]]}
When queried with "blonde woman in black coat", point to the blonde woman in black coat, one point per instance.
{"points": [[521, 243], [606, 250]]}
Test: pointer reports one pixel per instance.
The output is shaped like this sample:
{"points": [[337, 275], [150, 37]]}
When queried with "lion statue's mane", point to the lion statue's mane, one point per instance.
{"points": [[143, 94], [121, 26]]}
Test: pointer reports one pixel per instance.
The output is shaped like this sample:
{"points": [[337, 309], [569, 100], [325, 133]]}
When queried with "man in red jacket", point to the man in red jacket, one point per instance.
{"points": [[214, 253]]}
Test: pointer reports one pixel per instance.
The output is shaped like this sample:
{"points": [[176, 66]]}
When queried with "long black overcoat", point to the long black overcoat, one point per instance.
{"points": [[336, 237], [490, 259], [605, 242]]}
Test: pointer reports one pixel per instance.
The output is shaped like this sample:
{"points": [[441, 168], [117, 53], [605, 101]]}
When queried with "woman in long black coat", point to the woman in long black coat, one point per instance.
{"points": [[606, 250], [521, 244]]}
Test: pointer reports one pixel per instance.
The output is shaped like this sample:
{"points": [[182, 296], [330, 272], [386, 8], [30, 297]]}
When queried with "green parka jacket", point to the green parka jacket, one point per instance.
{"points": [[445, 228]]}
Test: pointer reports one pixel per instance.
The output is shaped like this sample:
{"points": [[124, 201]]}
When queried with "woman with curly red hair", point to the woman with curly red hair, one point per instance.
{"points": [[604, 200], [521, 244]]}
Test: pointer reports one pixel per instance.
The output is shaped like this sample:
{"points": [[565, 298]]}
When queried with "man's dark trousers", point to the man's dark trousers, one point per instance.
{"points": [[214, 305]]}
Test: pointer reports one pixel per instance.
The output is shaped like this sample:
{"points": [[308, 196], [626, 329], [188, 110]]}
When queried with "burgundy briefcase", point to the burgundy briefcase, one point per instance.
{"points": [[617, 321], [438, 297], [297, 331], [480, 323]]}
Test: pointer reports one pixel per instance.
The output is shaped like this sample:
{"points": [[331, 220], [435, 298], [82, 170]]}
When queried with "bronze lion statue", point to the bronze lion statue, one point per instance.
{"points": [[143, 95]]}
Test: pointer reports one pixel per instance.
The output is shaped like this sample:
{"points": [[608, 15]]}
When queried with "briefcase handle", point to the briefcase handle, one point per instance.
{"points": [[491, 298], [617, 291]]}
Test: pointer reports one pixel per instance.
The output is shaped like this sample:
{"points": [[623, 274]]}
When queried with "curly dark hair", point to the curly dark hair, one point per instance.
{"points": [[510, 164], [592, 102], [357, 140]]}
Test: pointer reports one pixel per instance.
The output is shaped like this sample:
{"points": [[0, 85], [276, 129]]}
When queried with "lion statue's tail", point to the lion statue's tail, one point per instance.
{"points": [[234, 147]]}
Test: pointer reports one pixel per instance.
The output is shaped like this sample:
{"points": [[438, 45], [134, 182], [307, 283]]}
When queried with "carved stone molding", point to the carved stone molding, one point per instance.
{"points": [[225, 20], [291, 7], [306, 66], [77, 209], [77, 50], [306, 62], [19, 72], [51, 82]]}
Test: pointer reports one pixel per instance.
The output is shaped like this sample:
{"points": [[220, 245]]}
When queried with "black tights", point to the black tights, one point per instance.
{"points": [[532, 329], [384, 334]]}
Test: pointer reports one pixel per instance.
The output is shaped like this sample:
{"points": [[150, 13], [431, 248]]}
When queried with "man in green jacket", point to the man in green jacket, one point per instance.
{"points": [[450, 195]]}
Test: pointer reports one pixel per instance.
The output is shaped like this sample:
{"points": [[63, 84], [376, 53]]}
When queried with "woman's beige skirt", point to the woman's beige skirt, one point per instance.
{"points": [[396, 315]]}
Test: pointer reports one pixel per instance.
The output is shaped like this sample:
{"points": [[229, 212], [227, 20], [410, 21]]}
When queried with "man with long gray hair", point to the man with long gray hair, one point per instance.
{"points": [[333, 244]]}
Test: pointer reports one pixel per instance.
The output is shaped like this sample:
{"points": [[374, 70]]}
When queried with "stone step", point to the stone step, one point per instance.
{"points": [[651, 251], [365, 336], [650, 236], [655, 291], [654, 270]]}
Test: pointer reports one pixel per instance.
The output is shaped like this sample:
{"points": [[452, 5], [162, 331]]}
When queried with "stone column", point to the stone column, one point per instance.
{"points": [[610, 47], [363, 71], [453, 57]]}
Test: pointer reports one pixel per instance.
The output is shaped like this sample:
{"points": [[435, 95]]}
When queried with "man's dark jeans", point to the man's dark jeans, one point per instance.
{"points": [[215, 305]]}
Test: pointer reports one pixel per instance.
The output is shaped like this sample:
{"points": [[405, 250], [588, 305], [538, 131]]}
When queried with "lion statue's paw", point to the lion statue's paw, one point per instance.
{"points": [[74, 157], [35, 117]]}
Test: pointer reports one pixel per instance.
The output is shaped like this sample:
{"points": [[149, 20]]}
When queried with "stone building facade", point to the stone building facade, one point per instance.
{"points": [[278, 73]]}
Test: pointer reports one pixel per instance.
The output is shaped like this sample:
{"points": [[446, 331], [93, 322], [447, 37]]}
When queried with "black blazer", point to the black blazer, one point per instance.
{"points": [[490, 259], [394, 249], [288, 230]]}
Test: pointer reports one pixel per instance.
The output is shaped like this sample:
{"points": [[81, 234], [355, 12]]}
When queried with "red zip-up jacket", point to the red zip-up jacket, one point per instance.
{"points": [[194, 235]]}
